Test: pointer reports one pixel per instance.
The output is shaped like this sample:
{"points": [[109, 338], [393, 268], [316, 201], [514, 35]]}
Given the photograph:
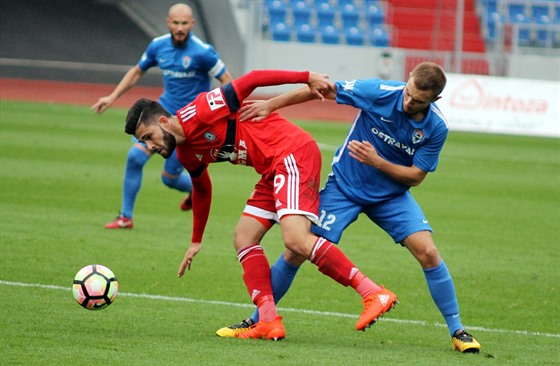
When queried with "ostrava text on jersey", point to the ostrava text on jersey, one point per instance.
{"points": [[197, 61], [396, 137], [214, 134]]}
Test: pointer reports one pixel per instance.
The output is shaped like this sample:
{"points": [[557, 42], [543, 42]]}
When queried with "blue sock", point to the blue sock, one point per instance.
{"points": [[135, 162], [442, 290], [282, 275], [182, 183]]}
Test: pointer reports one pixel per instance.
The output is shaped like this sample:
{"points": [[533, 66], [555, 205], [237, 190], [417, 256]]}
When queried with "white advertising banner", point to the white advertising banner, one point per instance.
{"points": [[501, 105]]}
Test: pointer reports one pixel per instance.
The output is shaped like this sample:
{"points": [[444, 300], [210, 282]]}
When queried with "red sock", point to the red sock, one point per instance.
{"points": [[363, 285], [257, 279], [332, 262]]}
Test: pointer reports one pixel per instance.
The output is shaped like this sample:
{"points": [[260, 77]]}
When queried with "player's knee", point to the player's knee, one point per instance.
{"points": [[300, 243], [168, 181], [136, 158]]}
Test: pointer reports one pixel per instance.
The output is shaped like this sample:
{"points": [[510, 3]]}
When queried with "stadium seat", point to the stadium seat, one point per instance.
{"points": [[375, 14], [379, 37], [330, 35], [516, 12], [523, 33], [306, 33], [277, 12], [557, 13], [342, 3], [350, 16], [541, 13], [556, 38], [319, 2], [325, 14], [544, 36], [301, 12], [354, 36], [281, 32]]}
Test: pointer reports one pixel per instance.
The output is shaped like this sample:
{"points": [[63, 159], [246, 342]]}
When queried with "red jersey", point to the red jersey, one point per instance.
{"points": [[214, 133], [205, 123]]}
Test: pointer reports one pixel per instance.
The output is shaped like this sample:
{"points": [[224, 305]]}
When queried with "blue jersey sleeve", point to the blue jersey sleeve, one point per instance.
{"points": [[427, 157], [360, 94], [148, 58]]}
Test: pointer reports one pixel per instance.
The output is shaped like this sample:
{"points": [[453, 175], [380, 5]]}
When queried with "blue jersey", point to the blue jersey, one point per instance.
{"points": [[396, 137], [187, 71]]}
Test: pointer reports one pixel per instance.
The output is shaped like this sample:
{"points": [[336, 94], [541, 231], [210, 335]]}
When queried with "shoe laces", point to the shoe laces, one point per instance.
{"points": [[463, 336], [247, 323]]}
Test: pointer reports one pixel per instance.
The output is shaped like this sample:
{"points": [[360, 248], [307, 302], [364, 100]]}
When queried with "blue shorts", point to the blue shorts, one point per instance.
{"points": [[399, 216], [172, 165]]}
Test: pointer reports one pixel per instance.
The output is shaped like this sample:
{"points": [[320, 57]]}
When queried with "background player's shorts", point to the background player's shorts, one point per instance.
{"points": [[399, 216], [172, 165], [292, 188]]}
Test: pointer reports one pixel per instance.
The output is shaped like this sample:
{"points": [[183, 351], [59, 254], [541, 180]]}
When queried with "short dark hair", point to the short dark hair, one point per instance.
{"points": [[143, 112], [429, 76]]}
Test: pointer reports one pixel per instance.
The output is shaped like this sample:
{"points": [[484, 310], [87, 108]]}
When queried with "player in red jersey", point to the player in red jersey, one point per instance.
{"points": [[208, 130]]}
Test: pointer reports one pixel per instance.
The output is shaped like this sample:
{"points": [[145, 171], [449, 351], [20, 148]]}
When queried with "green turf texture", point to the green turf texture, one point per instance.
{"points": [[494, 204]]}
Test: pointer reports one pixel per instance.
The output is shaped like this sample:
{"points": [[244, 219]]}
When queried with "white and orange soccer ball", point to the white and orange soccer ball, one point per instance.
{"points": [[95, 287]]}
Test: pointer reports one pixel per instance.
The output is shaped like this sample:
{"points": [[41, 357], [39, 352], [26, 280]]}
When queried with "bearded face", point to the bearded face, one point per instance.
{"points": [[170, 144]]}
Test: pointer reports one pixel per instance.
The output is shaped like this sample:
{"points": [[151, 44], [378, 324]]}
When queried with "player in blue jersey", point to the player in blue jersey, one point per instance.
{"points": [[188, 66], [394, 141]]}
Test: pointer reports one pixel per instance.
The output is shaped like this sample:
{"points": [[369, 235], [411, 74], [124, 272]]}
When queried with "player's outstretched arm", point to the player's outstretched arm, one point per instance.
{"points": [[318, 84], [256, 110], [201, 202], [128, 81]]}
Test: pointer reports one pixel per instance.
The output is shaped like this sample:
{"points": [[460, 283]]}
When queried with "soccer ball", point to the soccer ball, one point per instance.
{"points": [[95, 287]]}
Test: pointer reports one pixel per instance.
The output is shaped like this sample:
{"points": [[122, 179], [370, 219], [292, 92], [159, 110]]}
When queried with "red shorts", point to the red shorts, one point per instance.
{"points": [[291, 189]]}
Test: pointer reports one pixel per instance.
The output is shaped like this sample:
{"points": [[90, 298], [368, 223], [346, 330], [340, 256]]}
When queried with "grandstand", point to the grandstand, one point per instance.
{"points": [[344, 38]]}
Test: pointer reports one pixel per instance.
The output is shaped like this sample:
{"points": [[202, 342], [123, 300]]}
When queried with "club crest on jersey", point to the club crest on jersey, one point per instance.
{"points": [[417, 136], [209, 136], [186, 62], [215, 99]]}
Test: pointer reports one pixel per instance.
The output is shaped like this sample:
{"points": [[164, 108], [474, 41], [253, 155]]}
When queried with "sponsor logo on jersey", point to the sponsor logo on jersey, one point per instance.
{"points": [[209, 136], [349, 85], [418, 136], [215, 99], [221, 154], [178, 74], [386, 120], [242, 153], [389, 140], [186, 62]]}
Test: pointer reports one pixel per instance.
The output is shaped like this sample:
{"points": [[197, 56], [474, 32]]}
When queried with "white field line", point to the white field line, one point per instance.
{"points": [[283, 309]]}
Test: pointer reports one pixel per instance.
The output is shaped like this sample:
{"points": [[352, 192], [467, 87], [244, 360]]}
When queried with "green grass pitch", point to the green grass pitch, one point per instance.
{"points": [[494, 203]]}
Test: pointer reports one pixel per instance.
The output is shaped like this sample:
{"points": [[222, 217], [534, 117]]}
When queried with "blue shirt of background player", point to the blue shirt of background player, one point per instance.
{"points": [[186, 71], [397, 138]]}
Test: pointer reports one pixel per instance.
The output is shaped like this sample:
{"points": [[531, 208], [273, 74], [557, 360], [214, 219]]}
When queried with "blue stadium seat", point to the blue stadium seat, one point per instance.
{"points": [[325, 14], [342, 3], [557, 13], [354, 36], [491, 6], [375, 14], [277, 12], [301, 12], [306, 33], [541, 13], [330, 35], [379, 37], [281, 32], [350, 16], [319, 2], [516, 12], [544, 36], [494, 25], [556, 37], [523, 32]]}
